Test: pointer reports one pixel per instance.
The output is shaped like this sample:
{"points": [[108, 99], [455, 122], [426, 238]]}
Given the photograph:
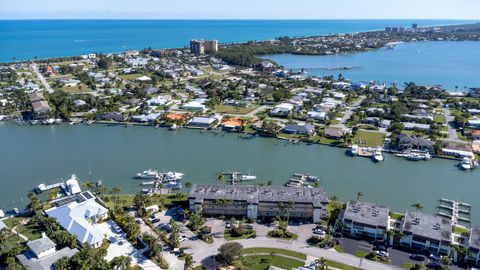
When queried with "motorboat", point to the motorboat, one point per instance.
{"points": [[169, 176], [246, 177], [173, 127], [377, 155], [148, 174], [466, 164], [354, 150], [173, 185], [2, 214]]}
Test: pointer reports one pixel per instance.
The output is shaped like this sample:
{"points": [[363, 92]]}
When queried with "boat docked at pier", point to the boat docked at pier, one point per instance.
{"points": [[148, 174], [377, 155], [415, 155], [467, 164], [354, 150]]}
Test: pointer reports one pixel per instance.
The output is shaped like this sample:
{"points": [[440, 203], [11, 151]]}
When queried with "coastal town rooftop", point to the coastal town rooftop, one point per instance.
{"points": [[367, 213], [474, 240], [428, 226], [256, 194]]}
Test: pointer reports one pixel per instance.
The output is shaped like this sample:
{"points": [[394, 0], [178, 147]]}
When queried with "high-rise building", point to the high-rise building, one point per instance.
{"points": [[203, 46]]}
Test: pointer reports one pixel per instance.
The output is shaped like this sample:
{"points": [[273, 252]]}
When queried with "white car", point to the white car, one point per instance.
{"points": [[319, 232], [181, 238], [382, 253]]}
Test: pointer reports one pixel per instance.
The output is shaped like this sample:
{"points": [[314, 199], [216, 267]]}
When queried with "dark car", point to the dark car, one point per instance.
{"points": [[417, 257], [155, 220], [435, 265], [434, 257]]}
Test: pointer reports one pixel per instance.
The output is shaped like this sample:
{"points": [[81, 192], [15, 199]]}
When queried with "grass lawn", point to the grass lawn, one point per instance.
{"points": [[76, 89], [368, 138], [396, 215], [460, 230], [342, 266], [262, 262], [11, 222], [339, 248], [361, 254], [438, 118], [233, 109], [408, 265], [169, 200], [229, 237], [131, 77], [275, 251], [30, 230]]}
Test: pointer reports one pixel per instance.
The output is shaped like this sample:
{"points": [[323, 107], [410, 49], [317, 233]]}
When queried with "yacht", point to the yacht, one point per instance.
{"points": [[246, 177], [173, 185], [148, 174], [377, 155], [2, 214], [354, 150], [173, 127], [169, 176], [466, 164]]}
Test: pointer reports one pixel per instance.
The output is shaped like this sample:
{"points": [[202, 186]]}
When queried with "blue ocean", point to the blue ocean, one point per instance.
{"points": [[27, 39]]}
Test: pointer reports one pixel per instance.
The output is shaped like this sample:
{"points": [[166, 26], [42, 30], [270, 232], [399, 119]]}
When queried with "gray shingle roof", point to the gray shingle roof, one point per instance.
{"points": [[474, 241], [41, 245]]}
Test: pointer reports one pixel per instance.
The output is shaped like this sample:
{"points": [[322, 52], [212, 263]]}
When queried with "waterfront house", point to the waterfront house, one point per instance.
{"points": [[475, 134], [426, 232], [474, 123], [334, 133], [258, 202], [39, 104], [78, 218], [409, 142], [113, 116], [365, 219], [299, 129], [232, 124], [283, 110], [457, 150], [473, 254], [202, 122], [42, 254], [175, 117]]}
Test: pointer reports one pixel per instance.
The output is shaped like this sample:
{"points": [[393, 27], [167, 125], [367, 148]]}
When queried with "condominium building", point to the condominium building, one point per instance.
{"points": [[428, 232], [203, 46], [473, 255], [258, 202], [365, 219]]}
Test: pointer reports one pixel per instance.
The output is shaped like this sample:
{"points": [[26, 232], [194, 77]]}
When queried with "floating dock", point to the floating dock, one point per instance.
{"points": [[453, 209]]}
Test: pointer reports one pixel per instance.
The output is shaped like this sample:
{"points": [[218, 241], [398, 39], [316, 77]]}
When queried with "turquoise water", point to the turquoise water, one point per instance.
{"points": [[448, 64], [25, 39], [34, 154]]}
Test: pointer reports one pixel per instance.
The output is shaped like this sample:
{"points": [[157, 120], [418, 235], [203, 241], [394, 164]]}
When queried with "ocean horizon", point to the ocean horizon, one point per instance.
{"points": [[25, 39]]}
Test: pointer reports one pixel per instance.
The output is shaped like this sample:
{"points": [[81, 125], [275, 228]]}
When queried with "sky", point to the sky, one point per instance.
{"points": [[240, 9]]}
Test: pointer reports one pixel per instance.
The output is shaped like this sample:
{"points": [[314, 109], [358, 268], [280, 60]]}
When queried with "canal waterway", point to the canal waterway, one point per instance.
{"points": [[446, 63], [30, 155]]}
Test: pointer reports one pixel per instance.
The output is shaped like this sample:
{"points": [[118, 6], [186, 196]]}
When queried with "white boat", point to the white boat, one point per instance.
{"points": [[148, 174], [169, 176], [173, 127], [16, 211], [377, 155], [245, 177], [173, 185], [2, 214], [354, 150], [466, 164]]}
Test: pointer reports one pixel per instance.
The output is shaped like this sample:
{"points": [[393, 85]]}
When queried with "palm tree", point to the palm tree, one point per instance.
{"points": [[221, 179], [188, 185], [359, 195], [121, 262], [417, 206], [188, 262], [89, 185], [321, 264]]}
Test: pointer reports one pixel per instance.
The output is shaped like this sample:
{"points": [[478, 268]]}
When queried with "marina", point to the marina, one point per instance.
{"points": [[396, 182]]}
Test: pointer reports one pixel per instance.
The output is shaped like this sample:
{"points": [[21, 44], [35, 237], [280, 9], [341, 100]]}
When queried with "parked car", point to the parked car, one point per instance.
{"points": [[250, 226], [382, 253], [182, 238], [165, 227], [155, 220], [417, 257], [139, 221], [434, 257], [435, 265], [319, 232]]}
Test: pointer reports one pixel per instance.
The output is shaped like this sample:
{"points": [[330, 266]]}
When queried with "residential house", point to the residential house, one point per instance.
{"points": [[283, 109], [79, 219], [365, 219], [412, 142], [427, 232], [299, 129], [202, 122], [232, 124], [113, 116], [321, 116], [335, 133], [475, 134], [42, 254], [39, 104], [413, 126], [194, 106]]}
